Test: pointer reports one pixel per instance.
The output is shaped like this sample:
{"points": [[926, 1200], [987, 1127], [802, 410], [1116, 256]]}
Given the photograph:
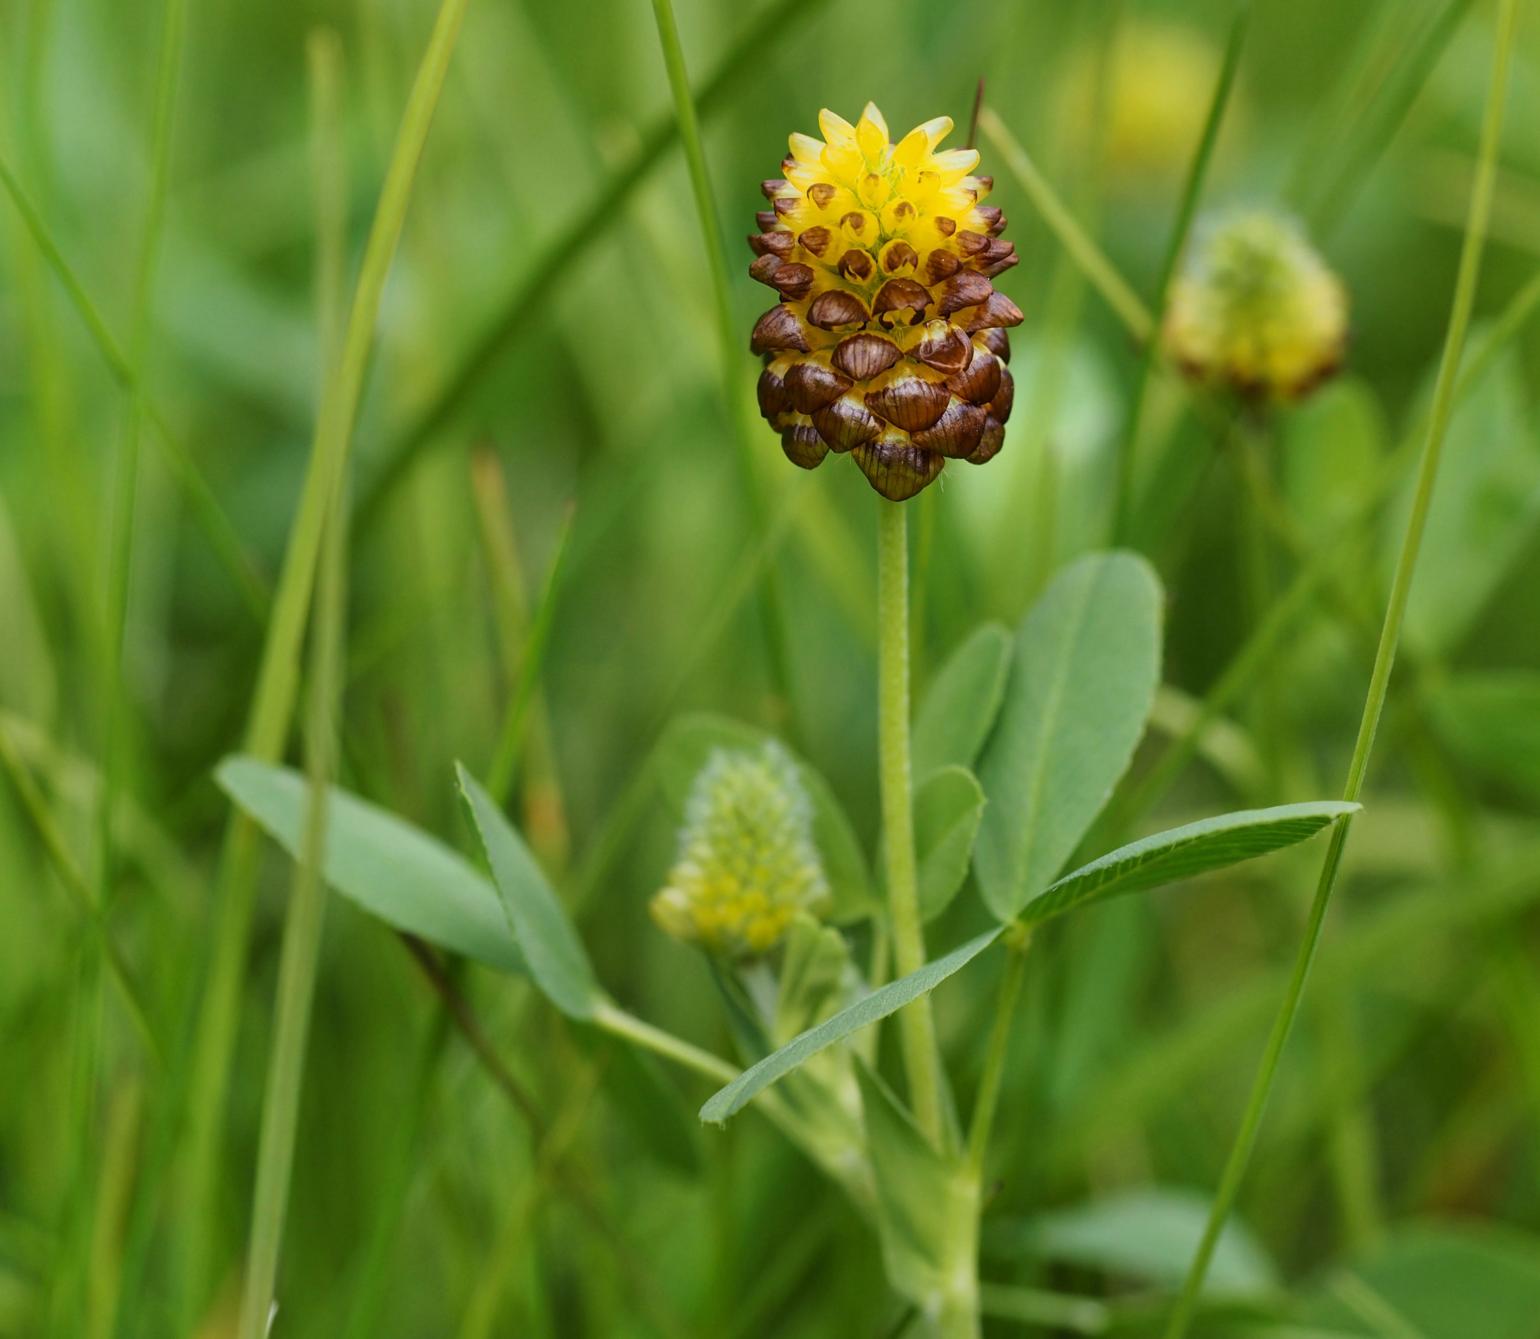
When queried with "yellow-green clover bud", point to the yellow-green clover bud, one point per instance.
{"points": [[746, 862], [1256, 309]]}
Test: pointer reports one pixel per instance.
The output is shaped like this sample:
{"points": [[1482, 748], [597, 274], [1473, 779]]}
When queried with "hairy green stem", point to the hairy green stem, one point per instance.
{"points": [[1384, 660], [917, 1025]]}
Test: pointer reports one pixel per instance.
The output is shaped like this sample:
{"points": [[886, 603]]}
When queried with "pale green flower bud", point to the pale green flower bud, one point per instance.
{"points": [[746, 862], [1256, 309]]}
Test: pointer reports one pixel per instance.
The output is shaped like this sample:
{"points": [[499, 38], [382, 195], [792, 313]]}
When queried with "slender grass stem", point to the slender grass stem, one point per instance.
{"points": [[728, 337], [114, 693], [700, 178], [988, 1100], [1192, 190], [278, 672], [1247, 447], [1379, 680], [301, 949], [207, 513], [56, 848], [120, 544], [548, 1137], [544, 805], [601, 211], [1377, 123], [917, 1024], [1078, 244], [119, 1171], [511, 736]]}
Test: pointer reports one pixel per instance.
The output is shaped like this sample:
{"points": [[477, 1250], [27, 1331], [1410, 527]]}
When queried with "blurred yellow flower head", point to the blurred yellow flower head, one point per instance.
{"points": [[746, 864], [889, 337], [1160, 79], [1255, 308]]}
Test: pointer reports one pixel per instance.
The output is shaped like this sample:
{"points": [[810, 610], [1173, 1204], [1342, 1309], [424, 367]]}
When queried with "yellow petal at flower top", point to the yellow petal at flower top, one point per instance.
{"points": [[1256, 309], [888, 341]]}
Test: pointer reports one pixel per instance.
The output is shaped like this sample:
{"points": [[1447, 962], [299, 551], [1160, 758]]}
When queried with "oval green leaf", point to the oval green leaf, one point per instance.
{"points": [[1081, 684], [948, 807], [1148, 1234], [1196, 848], [388, 867], [954, 719], [556, 957], [878, 1005]]}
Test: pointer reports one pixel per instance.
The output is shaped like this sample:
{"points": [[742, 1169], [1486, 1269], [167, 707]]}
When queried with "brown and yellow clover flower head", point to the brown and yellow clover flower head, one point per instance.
{"points": [[889, 339], [746, 863], [1256, 310]]}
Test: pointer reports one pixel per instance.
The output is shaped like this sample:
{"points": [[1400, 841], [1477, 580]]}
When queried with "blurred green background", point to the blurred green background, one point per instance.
{"points": [[1398, 1179]]}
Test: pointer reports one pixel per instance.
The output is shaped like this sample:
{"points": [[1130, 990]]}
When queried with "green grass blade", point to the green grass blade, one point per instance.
{"points": [[1376, 126], [220, 533], [700, 178], [1192, 191], [511, 735], [56, 848], [278, 672], [301, 950], [1078, 244], [602, 211], [1379, 680]]}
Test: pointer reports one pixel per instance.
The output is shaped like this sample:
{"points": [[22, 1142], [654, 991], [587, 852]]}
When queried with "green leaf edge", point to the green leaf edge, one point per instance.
{"points": [[1102, 879], [538, 920], [1310, 816], [340, 800], [885, 1000]]}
